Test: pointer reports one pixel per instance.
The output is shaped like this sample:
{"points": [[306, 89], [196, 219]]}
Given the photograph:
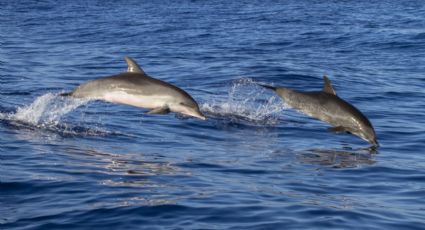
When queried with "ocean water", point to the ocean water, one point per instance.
{"points": [[255, 163]]}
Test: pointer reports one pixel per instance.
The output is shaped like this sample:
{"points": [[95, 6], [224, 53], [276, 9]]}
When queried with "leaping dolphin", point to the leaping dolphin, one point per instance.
{"points": [[136, 88], [326, 106]]}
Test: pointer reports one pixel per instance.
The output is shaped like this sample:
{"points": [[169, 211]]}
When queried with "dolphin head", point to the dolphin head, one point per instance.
{"points": [[187, 107]]}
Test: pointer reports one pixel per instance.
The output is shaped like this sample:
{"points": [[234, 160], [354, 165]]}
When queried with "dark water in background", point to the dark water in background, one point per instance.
{"points": [[254, 164]]}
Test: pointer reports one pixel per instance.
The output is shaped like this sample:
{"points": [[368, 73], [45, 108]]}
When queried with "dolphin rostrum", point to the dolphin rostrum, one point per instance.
{"points": [[136, 88], [326, 106]]}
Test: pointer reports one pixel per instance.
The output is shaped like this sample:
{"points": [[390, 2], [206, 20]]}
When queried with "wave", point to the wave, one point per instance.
{"points": [[246, 103]]}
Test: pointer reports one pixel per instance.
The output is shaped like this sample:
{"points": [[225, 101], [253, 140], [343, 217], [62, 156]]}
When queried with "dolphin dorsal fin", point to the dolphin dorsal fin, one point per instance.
{"points": [[327, 87], [133, 67]]}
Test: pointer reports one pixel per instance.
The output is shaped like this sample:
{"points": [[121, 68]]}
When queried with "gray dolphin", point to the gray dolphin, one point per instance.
{"points": [[326, 106], [136, 88]]}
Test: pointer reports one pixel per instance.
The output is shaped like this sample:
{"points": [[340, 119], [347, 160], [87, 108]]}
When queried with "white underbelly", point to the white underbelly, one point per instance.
{"points": [[143, 101]]}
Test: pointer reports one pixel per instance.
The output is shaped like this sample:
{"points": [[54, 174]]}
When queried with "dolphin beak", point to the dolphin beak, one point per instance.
{"points": [[191, 112], [199, 114], [196, 114], [374, 142], [202, 117]]}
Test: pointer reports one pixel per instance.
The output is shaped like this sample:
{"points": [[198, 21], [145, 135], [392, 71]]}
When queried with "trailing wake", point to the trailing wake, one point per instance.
{"points": [[245, 103], [47, 112], [47, 109]]}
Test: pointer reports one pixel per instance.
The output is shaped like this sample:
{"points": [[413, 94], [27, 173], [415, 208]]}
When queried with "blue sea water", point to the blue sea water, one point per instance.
{"points": [[255, 163]]}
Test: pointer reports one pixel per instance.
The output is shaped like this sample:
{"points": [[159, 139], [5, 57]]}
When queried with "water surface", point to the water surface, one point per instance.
{"points": [[254, 164]]}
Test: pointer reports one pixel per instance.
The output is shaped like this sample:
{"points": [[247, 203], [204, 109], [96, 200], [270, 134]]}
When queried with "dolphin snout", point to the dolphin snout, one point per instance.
{"points": [[195, 113], [201, 116], [374, 142]]}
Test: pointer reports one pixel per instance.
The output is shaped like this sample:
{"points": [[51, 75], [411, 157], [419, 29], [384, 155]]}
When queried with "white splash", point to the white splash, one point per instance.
{"points": [[47, 109], [47, 113], [246, 101]]}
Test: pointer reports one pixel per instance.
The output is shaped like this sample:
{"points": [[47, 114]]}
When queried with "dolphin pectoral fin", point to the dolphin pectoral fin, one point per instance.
{"points": [[338, 129], [327, 87], [159, 110]]}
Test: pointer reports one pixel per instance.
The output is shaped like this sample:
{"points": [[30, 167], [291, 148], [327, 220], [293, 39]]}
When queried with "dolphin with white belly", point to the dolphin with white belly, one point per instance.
{"points": [[326, 106], [136, 88]]}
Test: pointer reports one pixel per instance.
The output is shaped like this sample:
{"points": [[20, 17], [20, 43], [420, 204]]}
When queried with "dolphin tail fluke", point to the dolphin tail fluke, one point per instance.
{"points": [[66, 94], [268, 86]]}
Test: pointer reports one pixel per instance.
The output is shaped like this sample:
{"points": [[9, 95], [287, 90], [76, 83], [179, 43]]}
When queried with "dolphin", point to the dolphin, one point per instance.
{"points": [[326, 106], [136, 88]]}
